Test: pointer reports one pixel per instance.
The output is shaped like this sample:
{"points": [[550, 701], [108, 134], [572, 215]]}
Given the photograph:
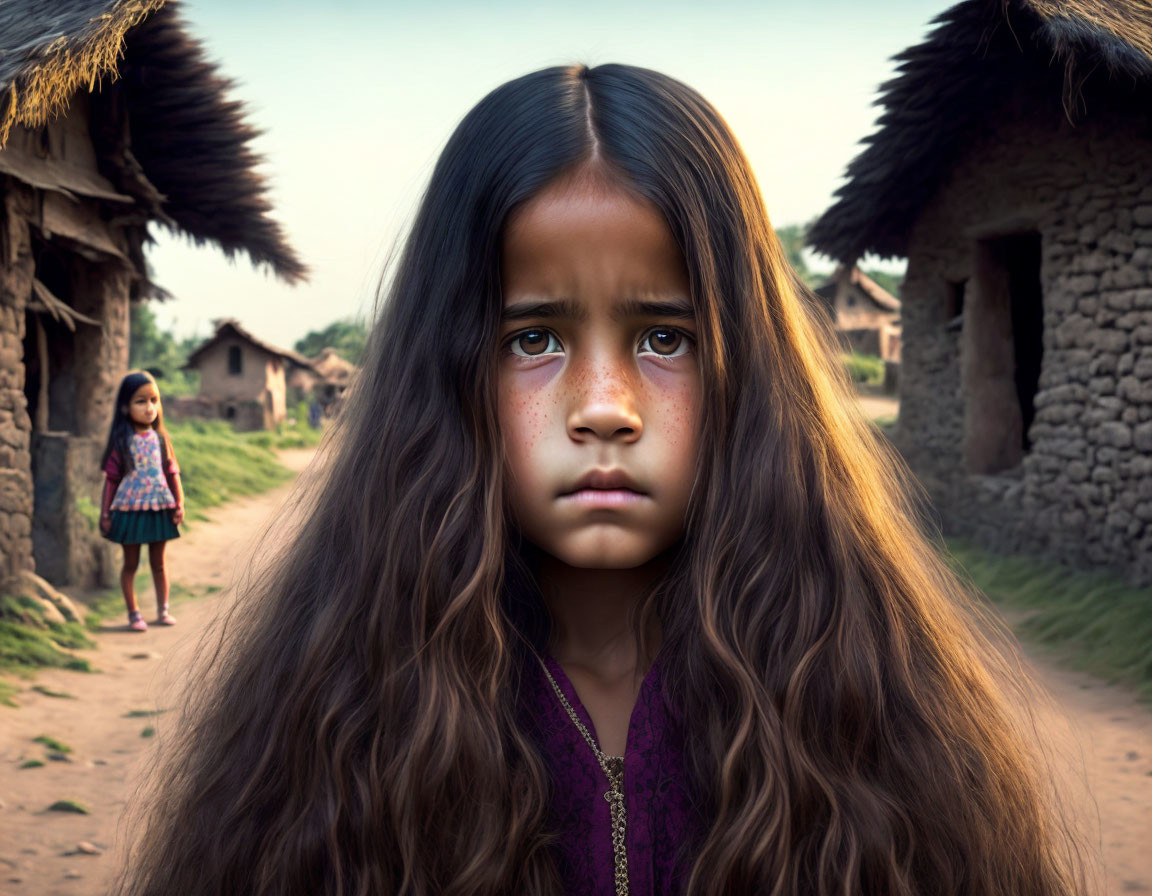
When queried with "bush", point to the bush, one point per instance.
{"points": [[864, 368]]}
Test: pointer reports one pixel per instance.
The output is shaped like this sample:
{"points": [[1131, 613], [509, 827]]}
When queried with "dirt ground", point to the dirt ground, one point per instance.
{"points": [[1100, 733]]}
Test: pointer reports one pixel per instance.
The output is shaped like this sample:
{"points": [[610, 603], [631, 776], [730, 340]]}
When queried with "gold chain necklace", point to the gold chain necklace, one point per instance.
{"points": [[613, 767]]}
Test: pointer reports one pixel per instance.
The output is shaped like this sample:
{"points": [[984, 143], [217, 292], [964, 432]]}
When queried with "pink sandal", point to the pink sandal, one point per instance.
{"points": [[165, 618], [136, 621]]}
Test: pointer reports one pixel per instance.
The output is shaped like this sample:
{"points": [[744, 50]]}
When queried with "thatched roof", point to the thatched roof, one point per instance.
{"points": [[231, 329], [333, 367], [190, 140], [947, 86]]}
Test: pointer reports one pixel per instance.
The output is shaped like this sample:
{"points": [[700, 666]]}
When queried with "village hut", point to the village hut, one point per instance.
{"points": [[242, 379], [110, 118], [866, 315], [325, 382], [1010, 167]]}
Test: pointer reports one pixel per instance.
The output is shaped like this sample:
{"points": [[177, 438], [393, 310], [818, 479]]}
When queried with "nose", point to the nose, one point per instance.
{"points": [[604, 406]]}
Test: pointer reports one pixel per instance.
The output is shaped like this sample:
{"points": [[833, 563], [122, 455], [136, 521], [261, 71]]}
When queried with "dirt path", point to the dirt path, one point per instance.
{"points": [[39, 849], [1105, 732]]}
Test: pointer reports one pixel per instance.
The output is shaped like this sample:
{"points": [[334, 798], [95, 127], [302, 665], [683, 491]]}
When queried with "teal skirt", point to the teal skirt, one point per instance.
{"points": [[142, 526]]}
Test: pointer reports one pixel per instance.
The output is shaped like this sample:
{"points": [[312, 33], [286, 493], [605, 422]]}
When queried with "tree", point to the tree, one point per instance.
{"points": [[793, 238], [158, 352], [349, 336]]}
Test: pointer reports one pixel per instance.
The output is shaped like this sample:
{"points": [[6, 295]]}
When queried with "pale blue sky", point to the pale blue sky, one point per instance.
{"points": [[357, 100]]}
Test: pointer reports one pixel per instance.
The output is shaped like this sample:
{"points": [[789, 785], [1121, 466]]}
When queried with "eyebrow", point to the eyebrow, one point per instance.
{"points": [[568, 309]]}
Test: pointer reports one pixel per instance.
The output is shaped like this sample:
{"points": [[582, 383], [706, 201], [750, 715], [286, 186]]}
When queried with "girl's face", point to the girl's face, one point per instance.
{"points": [[144, 405], [599, 380]]}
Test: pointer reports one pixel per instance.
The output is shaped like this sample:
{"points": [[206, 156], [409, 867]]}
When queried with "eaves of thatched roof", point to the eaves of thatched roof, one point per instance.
{"points": [[869, 288], [947, 85], [877, 294], [231, 329], [191, 141]]}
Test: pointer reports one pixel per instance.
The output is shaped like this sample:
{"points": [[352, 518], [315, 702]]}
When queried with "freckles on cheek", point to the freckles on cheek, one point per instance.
{"points": [[524, 406], [676, 402]]}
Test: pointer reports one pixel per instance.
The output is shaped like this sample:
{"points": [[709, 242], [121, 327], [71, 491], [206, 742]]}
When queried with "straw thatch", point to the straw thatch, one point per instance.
{"points": [[1066, 52], [191, 142]]}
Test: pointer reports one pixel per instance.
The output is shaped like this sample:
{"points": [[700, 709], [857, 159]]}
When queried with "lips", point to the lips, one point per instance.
{"points": [[604, 480]]}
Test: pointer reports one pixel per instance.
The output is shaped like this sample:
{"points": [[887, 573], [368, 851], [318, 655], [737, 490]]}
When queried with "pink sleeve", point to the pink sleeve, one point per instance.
{"points": [[112, 467], [173, 468]]}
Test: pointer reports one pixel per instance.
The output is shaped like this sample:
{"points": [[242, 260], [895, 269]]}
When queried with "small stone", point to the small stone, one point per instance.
{"points": [[1118, 435], [1142, 437], [1131, 755], [73, 875]]}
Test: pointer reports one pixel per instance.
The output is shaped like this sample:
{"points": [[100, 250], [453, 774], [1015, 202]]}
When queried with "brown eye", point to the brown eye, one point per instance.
{"points": [[532, 343], [666, 342]]}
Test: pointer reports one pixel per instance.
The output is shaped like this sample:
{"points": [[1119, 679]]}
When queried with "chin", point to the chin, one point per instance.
{"points": [[618, 551]]}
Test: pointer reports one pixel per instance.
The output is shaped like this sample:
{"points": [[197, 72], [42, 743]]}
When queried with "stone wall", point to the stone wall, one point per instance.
{"points": [[1083, 490], [56, 536], [16, 265], [68, 547]]}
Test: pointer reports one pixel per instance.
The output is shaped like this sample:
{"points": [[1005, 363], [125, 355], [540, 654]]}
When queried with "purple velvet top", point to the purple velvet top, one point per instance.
{"points": [[661, 824]]}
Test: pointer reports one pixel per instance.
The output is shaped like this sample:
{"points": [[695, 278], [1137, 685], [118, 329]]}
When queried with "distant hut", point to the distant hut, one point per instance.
{"points": [[1011, 168], [326, 382], [110, 118], [243, 379], [865, 314]]}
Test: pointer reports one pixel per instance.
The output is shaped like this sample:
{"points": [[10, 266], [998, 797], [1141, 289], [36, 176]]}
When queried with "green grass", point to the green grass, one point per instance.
{"points": [[143, 713], [1092, 620], [864, 368], [28, 641], [148, 732], [48, 692], [52, 744], [8, 693], [887, 425], [89, 512], [218, 464], [68, 806], [32, 763]]}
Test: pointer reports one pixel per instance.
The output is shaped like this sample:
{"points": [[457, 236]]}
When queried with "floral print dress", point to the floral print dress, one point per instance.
{"points": [[145, 487]]}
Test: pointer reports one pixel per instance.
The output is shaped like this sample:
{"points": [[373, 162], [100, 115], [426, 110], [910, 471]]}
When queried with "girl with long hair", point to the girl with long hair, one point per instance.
{"points": [[609, 587], [143, 499]]}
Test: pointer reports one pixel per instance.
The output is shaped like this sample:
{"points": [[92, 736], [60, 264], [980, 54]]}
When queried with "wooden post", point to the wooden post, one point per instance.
{"points": [[41, 420]]}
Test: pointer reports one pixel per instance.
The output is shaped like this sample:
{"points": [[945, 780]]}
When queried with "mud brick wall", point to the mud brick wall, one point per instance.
{"points": [[16, 267], [1082, 492]]}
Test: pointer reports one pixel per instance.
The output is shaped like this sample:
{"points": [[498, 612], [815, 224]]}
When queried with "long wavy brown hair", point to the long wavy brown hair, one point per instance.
{"points": [[848, 729]]}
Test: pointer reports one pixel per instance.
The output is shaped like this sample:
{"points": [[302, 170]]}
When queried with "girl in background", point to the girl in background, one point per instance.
{"points": [[610, 588], [143, 500]]}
